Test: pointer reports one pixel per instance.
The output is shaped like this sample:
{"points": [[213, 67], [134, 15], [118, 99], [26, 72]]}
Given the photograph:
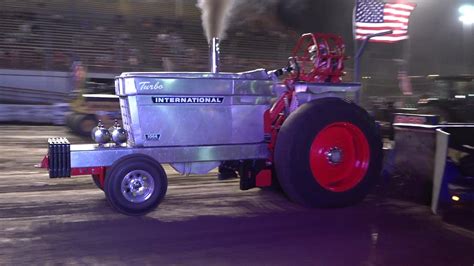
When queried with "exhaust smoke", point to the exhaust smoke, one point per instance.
{"points": [[215, 17]]}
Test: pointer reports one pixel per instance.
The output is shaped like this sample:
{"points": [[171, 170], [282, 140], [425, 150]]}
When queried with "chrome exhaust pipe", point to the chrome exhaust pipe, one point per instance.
{"points": [[214, 51]]}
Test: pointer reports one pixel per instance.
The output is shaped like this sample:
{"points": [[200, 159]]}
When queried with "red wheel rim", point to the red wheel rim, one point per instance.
{"points": [[339, 156]]}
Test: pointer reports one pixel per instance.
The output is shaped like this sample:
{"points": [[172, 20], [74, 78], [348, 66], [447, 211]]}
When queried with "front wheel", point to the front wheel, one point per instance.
{"points": [[135, 184], [328, 154]]}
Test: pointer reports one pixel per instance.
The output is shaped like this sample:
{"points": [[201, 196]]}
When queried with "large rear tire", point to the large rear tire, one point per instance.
{"points": [[135, 184], [328, 154], [84, 123], [69, 120]]}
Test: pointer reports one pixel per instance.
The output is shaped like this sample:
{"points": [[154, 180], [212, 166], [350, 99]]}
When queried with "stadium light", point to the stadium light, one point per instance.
{"points": [[467, 14]]}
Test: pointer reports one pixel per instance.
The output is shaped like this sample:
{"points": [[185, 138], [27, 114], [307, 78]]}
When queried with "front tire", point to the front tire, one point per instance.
{"points": [[135, 184], [328, 154]]}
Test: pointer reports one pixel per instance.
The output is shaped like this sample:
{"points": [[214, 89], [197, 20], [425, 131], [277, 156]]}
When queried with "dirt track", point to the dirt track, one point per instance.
{"points": [[202, 221]]}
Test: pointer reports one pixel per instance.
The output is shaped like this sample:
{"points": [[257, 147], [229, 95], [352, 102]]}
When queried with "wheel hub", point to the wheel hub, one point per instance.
{"points": [[334, 155], [339, 156], [137, 186]]}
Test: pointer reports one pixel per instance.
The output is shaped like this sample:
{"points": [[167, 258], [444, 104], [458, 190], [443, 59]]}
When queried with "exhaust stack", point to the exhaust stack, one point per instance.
{"points": [[214, 51]]}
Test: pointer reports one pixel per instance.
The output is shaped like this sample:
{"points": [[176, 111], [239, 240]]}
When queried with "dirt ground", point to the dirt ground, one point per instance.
{"points": [[202, 221]]}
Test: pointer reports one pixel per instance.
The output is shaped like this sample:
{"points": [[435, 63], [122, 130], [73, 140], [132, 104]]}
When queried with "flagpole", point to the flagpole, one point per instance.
{"points": [[355, 42], [405, 56], [406, 53], [355, 72], [405, 62]]}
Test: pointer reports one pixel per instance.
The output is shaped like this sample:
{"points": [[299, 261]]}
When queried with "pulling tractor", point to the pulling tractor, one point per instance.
{"points": [[87, 108], [291, 126]]}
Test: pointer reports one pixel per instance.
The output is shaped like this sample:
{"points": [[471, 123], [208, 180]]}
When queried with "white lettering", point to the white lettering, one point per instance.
{"points": [[148, 86], [188, 99]]}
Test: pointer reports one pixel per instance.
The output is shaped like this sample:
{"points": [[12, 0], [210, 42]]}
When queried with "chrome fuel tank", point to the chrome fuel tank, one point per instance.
{"points": [[194, 109]]}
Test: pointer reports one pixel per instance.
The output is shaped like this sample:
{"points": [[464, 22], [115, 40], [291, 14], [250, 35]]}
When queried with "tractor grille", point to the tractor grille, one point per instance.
{"points": [[59, 157], [127, 125]]}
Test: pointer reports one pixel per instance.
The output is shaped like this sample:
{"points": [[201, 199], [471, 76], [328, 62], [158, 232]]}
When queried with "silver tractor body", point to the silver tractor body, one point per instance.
{"points": [[194, 109]]}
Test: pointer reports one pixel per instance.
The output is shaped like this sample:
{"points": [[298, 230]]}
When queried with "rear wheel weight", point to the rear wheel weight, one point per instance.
{"points": [[328, 154], [135, 184]]}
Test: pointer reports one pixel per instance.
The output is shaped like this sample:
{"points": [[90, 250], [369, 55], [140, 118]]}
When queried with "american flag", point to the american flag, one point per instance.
{"points": [[373, 16]]}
